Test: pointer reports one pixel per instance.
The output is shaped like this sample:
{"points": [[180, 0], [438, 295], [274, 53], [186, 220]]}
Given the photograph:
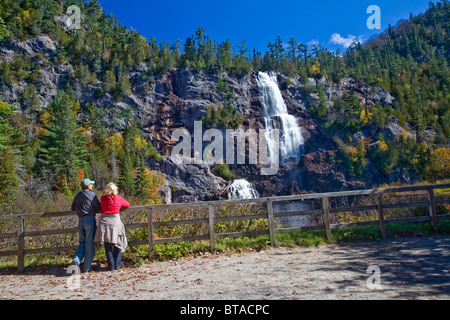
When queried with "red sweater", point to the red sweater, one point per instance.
{"points": [[113, 204]]}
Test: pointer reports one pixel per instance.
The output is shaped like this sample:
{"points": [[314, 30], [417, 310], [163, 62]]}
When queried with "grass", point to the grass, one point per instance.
{"points": [[138, 255]]}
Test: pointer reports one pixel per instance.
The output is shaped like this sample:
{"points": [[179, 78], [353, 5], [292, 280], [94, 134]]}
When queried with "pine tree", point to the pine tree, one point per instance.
{"points": [[63, 149], [141, 182], [6, 129], [124, 85], [126, 183], [110, 82], [9, 183], [189, 50], [4, 33], [320, 110]]}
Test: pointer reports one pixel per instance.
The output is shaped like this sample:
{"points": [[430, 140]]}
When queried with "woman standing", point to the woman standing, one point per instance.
{"points": [[111, 230]]}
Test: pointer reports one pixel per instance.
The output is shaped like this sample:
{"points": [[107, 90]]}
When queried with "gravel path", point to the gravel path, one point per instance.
{"points": [[411, 268]]}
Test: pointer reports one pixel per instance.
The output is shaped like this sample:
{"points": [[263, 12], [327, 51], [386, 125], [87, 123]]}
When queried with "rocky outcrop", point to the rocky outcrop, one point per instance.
{"points": [[40, 44], [188, 182]]}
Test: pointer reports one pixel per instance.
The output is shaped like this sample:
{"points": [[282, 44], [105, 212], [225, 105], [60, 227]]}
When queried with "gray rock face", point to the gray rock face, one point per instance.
{"points": [[52, 78], [39, 44], [179, 97], [6, 54], [393, 131], [382, 96], [189, 182]]}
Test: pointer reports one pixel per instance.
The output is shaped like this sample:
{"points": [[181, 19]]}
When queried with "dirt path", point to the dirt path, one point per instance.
{"points": [[411, 268]]}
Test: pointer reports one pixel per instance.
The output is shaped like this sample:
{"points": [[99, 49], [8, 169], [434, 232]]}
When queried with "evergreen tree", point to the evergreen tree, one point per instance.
{"points": [[4, 33], [110, 82], [141, 181], [189, 51], [125, 86], [63, 149], [9, 183], [126, 183], [6, 128], [320, 109]]}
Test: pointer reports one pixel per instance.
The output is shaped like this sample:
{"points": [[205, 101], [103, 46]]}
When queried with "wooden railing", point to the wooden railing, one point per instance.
{"points": [[268, 214]]}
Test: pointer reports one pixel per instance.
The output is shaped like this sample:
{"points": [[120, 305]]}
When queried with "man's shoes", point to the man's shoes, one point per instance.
{"points": [[91, 269]]}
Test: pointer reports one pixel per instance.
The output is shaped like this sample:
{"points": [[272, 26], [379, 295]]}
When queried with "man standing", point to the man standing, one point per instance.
{"points": [[86, 205]]}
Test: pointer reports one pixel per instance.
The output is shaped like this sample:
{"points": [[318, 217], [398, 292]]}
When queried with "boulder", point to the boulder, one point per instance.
{"points": [[189, 182], [392, 131]]}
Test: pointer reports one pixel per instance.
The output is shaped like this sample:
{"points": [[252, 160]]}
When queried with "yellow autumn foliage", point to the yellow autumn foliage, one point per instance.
{"points": [[439, 167], [76, 107], [383, 146], [140, 143], [404, 134], [315, 69], [156, 181], [365, 117], [26, 18], [351, 151], [117, 141]]}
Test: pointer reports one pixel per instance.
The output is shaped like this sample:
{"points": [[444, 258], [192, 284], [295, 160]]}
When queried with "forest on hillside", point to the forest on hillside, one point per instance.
{"points": [[45, 152]]}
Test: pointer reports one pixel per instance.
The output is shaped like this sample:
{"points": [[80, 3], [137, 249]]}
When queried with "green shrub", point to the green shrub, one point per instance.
{"points": [[223, 170]]}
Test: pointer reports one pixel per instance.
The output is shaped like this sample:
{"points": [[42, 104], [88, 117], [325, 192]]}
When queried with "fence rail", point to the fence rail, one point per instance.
{"points": [[325, 211]]}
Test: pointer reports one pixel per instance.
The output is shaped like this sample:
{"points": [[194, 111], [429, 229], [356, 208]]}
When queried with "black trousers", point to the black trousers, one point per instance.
{"points": [[113, 256]]}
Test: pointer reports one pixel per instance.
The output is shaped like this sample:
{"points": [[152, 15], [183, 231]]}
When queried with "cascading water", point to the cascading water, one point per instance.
{"points": [[276, 116], [242, 189]]}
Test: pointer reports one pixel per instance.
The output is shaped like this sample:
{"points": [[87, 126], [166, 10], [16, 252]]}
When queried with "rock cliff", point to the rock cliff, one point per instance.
{"points": [[179, 97]]}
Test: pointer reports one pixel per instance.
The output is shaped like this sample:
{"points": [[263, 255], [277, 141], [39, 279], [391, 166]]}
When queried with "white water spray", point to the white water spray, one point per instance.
{"points": [[242, 189]]}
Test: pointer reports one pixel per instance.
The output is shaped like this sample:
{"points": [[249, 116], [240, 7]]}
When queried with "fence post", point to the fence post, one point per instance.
{"points": [[379, 204], [326, 217], [20, 244], [212, 236], [432, 210], [270, 219], [151, 243]]}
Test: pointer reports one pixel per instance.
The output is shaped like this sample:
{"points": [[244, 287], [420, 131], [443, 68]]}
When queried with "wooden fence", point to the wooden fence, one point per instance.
{"points": [[270, 215]]}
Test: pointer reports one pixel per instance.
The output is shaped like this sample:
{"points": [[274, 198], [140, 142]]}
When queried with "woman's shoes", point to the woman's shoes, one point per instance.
{"points": [[116, 268]]}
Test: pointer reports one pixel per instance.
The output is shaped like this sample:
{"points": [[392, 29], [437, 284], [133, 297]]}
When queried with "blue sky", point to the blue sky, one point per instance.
{"points": [[260, 21]]}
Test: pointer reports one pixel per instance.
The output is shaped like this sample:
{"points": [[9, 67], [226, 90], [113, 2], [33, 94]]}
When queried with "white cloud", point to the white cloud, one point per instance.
{"points": [[336, 38], [313, 42]]}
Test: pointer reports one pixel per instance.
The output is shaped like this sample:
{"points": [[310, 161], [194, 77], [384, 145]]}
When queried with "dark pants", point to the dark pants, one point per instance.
{"points": [[113, 256]]}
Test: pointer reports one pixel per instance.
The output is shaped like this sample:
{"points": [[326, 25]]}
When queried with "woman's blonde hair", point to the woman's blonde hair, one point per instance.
{"points": [[111, 189]]}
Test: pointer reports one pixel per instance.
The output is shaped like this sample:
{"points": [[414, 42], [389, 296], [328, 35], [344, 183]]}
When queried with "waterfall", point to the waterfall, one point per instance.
{"points": [[276, 116], [242, 189]]}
